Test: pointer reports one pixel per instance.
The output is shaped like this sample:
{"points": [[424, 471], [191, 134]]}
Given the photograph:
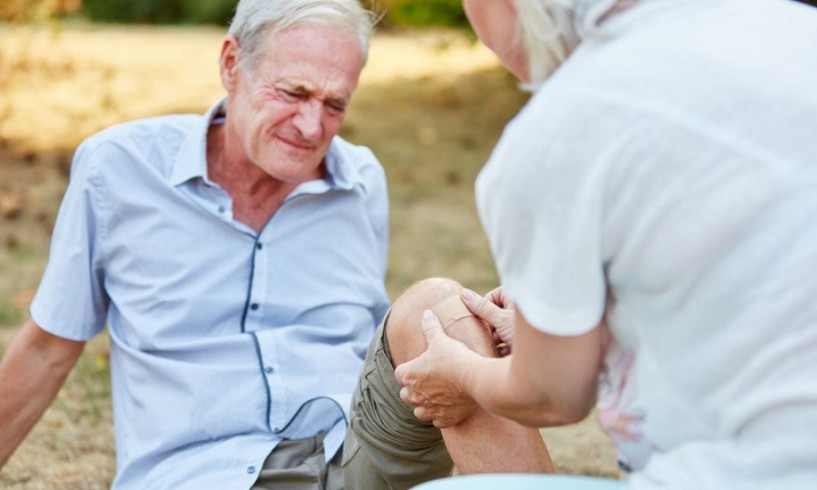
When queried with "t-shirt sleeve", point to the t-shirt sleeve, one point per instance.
{"points": [[541, 201], [71, 301]]}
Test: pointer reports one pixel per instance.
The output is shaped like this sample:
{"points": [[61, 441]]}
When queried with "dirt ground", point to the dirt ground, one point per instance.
{"points": [[431, 104]]}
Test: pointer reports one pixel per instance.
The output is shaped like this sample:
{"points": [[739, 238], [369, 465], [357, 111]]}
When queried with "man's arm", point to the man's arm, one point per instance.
{"points": [[32, 371]]}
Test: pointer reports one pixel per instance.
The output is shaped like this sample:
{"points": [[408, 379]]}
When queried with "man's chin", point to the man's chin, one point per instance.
{"points": [[293, 171]]}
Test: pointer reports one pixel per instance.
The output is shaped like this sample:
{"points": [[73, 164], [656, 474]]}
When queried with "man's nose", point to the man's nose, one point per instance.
{"points": [[308, 121]]}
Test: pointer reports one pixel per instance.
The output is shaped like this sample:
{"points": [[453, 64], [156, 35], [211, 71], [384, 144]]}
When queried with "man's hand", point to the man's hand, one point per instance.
{"points": [[432, 383], [497, 310]]}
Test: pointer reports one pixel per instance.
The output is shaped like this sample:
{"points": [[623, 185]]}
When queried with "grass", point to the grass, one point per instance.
{"points": [[431, 105], [10, 315]]}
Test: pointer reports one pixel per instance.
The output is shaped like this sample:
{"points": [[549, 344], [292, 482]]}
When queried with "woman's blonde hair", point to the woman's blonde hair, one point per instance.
{"points": [[550, 30]]}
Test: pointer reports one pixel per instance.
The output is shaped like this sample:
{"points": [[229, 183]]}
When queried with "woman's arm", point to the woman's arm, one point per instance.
{"points": [[547, 380]]}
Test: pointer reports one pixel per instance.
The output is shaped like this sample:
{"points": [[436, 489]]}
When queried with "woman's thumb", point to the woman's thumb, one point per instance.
{"points": [[480, 307], [431, 325]]}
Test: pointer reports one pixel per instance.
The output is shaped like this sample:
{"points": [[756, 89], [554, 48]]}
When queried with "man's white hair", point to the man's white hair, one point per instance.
{"points": [[551, 29], [254, 20]]}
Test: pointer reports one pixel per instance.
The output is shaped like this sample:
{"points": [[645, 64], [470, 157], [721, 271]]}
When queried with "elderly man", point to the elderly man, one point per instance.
{"points": [[238, 261]]}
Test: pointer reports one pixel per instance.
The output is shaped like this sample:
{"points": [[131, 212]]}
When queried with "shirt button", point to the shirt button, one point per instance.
{"points": [[254, 306], [259, 246], [268, 370], [221, 209], [250, 469]]}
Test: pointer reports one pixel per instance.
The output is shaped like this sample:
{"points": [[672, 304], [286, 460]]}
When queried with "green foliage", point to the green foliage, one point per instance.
{"points": [[395, 12], [211, 11], [137, 11], [160, 11], [422, 12]]}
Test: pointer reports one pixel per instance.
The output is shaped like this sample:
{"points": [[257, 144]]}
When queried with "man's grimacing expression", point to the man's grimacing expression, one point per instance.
{"points": [[286, 106]]}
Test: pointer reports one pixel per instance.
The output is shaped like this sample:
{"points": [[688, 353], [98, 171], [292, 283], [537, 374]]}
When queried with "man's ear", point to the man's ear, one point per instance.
{"points": [[228, 63]]}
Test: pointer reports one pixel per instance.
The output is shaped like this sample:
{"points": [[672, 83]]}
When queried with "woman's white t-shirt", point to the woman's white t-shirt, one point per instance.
{"points": [[666, 177]]}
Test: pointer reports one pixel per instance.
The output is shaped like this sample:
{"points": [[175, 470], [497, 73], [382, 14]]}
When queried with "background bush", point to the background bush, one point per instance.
{"points": [[394, 12], [160, 11], [421, 12]]}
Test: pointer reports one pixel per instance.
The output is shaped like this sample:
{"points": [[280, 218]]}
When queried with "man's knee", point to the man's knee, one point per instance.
{"points": [[404, 329]]}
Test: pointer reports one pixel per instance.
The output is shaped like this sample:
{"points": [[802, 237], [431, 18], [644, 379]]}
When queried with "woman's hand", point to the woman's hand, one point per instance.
{"points": [[432, 382], [497, 310]]}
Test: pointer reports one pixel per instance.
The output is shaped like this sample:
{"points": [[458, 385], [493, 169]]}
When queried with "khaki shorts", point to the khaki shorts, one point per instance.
{"points": [[299, 464], [385, 448]]}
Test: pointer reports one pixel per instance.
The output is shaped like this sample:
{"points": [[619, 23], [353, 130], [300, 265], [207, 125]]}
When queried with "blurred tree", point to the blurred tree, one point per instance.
{"points": [[421, 12], [134, 11], [210, 11], [394, 12], [28, 10], [160, 11]]}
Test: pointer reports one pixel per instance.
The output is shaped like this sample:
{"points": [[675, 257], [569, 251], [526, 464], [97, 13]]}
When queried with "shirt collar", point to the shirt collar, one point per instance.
{"points": [[191, 159], [341, 172]]}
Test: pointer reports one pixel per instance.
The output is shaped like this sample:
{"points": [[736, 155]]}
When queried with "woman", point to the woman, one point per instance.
{"points": [[653, 214]]}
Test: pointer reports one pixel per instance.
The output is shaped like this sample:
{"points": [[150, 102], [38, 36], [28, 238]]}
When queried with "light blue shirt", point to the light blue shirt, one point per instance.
{"points": [[223, 341]]}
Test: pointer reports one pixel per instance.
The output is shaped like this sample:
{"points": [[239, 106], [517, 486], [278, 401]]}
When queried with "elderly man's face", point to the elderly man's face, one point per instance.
{"points": [[287, 106], [494, 21]]}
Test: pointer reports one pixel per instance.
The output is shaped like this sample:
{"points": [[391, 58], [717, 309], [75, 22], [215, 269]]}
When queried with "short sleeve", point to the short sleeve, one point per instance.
{"points": [[540, 199], [70, 301]]}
